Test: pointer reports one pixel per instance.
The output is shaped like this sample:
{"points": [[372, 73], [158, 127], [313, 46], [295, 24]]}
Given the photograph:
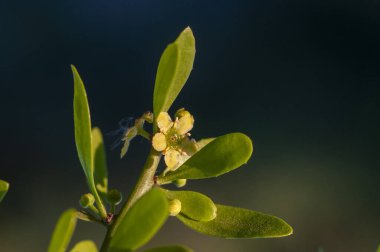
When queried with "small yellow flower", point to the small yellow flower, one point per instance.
{"points": [[173, 139]]}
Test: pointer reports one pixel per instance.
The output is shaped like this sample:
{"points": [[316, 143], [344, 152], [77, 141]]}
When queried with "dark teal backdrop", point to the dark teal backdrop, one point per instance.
{"points": [[302, 78]]}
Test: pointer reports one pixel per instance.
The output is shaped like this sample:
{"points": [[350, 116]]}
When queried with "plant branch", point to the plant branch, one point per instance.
{"points": [[144, 184]]}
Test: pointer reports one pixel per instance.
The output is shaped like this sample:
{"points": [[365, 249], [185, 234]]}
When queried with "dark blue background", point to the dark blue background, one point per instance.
{"points": [[302, 78]]}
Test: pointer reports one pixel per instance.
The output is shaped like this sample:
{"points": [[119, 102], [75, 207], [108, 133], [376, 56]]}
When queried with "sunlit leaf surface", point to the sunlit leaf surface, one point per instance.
{"points": [[141, 222], [100, 165], [173, 71], [174, 248], [233, 222], [85, 246], [63, 231], [221, 155], [194, 205]]}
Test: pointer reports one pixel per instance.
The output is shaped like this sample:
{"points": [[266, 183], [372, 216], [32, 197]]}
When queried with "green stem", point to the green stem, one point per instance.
{"points": [[144, 184], [99, 203], [112, 209], [94, 209]]}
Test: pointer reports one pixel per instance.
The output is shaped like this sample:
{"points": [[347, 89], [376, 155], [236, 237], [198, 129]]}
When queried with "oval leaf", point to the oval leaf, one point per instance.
{"points": [[174, 248], [100, 164], [141, 222], [221, 155], [4, 187], [233, 222], [173, 71], [85, 246], [194, 205], [63, 231]]}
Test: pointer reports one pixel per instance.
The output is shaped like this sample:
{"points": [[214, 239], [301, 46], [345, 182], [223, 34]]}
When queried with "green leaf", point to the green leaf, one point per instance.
{"points": [[85, 246], [233, 222], [63, 231], [82, 125], [378, 249], [173, 71], [221, 155], [194, 205], [141, 222], [100, 164], [4, 187], [83, 136], [174, 248]]}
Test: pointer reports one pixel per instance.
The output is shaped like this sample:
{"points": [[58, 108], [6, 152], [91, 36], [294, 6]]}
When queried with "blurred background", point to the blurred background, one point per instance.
{"points": [[301, 78]]}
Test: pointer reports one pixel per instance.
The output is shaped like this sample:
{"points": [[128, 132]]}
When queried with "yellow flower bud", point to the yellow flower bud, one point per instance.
{"points": [[180, 182], [174, 207]]}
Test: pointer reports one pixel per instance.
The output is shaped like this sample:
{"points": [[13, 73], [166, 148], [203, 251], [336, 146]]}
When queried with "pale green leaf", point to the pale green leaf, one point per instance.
{"points": [[4, 187], [83, 136], [63, 231], [82, 125], [85, 246], [173, 71], [194, 205], [233, 222], [141, 222], [378, 249], [221, 155], [174, 248], [100, 164]]}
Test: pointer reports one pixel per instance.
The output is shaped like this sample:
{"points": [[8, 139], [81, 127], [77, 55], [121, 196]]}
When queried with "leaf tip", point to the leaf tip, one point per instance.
{"points": [[188, 29], [291, 230], [247, 142], [287, 229], [75, 74], [73, 68], [4, 185], [186, 36]]}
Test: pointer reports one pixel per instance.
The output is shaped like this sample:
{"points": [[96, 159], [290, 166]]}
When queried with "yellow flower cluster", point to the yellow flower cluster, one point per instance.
{"points": [[173, 138]]}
